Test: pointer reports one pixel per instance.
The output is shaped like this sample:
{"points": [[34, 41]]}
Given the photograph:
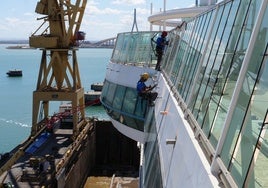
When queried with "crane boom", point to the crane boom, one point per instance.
{"points": [[63, 20]]}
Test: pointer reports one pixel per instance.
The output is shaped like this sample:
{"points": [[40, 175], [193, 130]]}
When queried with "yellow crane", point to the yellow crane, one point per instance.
{"points": [[59, 78]]}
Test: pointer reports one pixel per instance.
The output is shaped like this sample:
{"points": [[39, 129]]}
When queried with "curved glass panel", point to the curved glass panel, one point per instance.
{"points": [[136, 48], [124, 105]]}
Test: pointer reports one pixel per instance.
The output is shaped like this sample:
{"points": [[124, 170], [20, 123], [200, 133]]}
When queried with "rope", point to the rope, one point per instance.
{"points": [[153, 41], [61, 115]]}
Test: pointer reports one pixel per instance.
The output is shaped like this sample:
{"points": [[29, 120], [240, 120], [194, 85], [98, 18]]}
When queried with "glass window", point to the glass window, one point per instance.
{"points": [[176, 63], [141, 105], [208, 62], [110, 94], [131, 122], [118, 96], [172, 56], [134, 48], [258, 175], [129, 102], [152, 171], [104, 90], [241, 137], [215, 116], [205, 114], [199, 76]]}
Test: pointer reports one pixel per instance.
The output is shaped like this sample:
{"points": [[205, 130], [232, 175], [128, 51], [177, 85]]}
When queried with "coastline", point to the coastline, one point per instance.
{"points": [[22, 47], [24, 44]]}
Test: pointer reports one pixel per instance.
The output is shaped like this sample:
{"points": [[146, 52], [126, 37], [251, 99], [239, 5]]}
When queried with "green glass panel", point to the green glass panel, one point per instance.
{"points": [[134, 48], [140, 108], [104, 90], [118, 96], [129, 102], [242, 134], [152, 170], [110, 94], [221, 97], [259, 173]]}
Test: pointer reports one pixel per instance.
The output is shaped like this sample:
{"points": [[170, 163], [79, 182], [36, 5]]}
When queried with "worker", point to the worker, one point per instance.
{"points": [[146, 91], [161, 42]]}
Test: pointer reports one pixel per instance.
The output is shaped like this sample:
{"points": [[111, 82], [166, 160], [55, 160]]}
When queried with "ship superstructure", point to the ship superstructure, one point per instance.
{"points": [[208, 125]]}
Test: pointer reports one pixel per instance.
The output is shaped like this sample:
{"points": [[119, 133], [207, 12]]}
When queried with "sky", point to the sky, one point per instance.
{"points": [[102, 18]]}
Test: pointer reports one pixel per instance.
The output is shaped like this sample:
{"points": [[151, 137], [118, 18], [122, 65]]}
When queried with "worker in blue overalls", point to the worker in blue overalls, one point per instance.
{"points": [[146, 91], [161, 42]]}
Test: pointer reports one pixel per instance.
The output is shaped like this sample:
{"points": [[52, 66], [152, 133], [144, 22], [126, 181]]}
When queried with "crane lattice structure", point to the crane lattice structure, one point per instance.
{"points": [[59, 78]]}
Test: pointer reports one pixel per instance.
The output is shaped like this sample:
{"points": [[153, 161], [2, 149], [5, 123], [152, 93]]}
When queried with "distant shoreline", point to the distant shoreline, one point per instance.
{"points": [[24, 44], [27, 42], [14, 42], [20, 47]]}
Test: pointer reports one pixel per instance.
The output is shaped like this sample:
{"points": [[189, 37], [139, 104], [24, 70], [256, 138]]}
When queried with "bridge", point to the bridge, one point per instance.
{"points": [[106, 43]]}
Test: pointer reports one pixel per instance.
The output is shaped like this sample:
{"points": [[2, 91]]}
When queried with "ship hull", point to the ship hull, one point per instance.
{"points": [[177, 148]]}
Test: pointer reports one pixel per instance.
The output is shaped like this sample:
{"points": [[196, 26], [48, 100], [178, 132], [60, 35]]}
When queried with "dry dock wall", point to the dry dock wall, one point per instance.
{"points": [[115, 153], [106, 152], [82, 161]]}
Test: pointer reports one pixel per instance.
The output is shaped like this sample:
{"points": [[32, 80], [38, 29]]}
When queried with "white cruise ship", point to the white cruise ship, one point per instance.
{"points": [[208, 127]]}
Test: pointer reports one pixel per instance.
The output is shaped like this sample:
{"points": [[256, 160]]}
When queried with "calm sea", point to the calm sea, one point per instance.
{"points": [[16, 93]]}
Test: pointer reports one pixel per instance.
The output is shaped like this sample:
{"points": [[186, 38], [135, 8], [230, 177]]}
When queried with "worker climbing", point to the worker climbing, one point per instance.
{"points": [[146, 91], [161, 42]]}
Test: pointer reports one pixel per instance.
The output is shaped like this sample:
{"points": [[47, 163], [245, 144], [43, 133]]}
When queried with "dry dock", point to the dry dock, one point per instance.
{"points": [[101, 153]]}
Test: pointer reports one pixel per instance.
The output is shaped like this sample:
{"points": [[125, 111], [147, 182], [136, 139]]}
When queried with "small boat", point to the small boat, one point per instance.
{"points": [[97, 86], [14, 73], [92, 98]]}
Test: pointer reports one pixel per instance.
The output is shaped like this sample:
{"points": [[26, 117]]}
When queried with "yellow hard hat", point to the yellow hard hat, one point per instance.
{"points": [[145, 76]]}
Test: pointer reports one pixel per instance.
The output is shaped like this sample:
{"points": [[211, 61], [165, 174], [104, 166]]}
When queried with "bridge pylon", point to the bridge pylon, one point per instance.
{"points": [[135, 22]]}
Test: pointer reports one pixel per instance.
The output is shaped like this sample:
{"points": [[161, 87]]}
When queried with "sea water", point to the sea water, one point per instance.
{"points": [[16, 93]]}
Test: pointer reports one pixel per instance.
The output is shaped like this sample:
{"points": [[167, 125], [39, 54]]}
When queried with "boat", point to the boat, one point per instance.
{"points": [[96, 86], [92, 97], [208, 126], [14, 73]]}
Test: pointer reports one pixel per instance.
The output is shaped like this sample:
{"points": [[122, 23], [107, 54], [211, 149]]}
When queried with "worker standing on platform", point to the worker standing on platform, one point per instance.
{"points": [[161, 42], [146, 91]]}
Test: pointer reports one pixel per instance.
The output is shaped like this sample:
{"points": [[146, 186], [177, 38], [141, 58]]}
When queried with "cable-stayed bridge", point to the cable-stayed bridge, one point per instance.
{"points": [[106, 43]]}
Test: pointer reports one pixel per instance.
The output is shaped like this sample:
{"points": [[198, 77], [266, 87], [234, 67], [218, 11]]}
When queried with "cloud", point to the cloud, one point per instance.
{"points": [[142, 11], [28, 14], [92, 3], [3, 27], [9, 27], [129, 2], [127, 20], [12, 21], [96, 11], [100, 22]]}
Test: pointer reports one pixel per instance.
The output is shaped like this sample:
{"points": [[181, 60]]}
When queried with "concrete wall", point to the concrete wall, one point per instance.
{"points": [[82, 162]]}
